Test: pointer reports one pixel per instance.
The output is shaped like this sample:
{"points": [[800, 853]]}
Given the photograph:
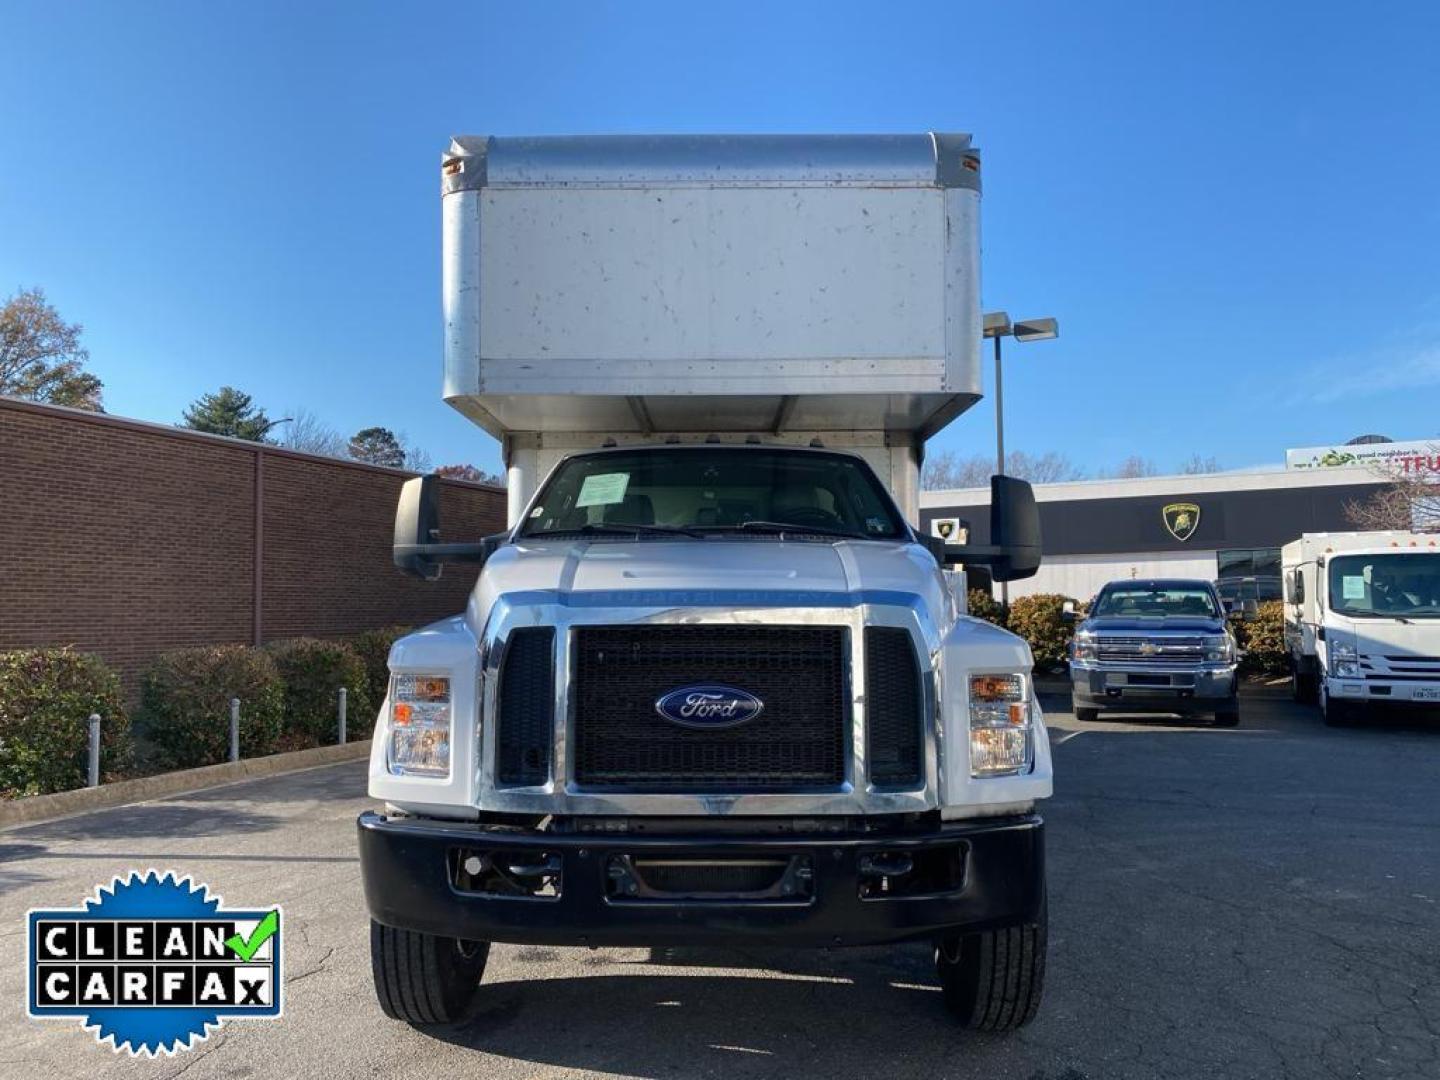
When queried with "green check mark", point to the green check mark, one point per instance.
{"points": [[246, 948]]}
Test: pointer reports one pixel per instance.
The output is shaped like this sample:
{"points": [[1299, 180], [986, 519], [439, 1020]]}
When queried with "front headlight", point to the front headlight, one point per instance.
{"points": [[1219, 649], [1344, 663], [1000, 734], [420, 719], [1084, 648]]}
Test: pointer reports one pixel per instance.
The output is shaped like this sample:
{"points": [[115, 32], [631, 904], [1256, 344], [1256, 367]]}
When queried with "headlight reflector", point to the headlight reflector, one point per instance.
{"points": [[1344, 663], [1084, 647], [1219, 649], [1000, 733], [420, 720]]}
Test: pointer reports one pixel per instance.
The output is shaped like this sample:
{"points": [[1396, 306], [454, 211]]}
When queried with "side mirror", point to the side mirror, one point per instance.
{"points": [[417, 526], [1014, 528], [1067, 611], [417, 550], [1014, 548]]}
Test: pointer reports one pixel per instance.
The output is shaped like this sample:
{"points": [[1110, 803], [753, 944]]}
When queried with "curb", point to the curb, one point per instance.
{"points": [[36, 808]]}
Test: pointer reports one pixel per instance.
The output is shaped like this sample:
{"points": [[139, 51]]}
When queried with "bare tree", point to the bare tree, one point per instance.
{"points": [[947, 470], [1410, 501], [1196, 465], [309, 434], [1047, 468], [41, 357], [1132, 467], [416, 459]]}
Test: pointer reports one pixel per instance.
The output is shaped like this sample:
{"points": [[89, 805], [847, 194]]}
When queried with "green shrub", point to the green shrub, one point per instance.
{"points": [[46, 695], [1038, 619], [313, 672], [373, 648], [1263, 640], [185, 703], [984, 606]]}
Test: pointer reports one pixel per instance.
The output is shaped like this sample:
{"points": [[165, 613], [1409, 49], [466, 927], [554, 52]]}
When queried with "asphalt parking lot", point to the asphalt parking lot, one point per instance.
{"points": [[1259, 902]]}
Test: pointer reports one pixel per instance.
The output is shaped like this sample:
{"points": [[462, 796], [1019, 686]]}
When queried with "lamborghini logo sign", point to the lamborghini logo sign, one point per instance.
{"points": [[1181, 519]]}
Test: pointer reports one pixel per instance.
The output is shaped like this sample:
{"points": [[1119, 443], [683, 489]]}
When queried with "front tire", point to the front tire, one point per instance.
{"points": [[1087, 716], [424, 978], [1336, 713], [993, 980], [1303, 686]]}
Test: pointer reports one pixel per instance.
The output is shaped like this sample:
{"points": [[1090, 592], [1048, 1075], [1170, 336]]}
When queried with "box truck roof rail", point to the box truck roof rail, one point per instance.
{"points": [[760, 283]]}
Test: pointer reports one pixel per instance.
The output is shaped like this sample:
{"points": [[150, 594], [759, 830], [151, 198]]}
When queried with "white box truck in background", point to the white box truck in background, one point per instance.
{"points": [[712, 685], [1362, 620]]}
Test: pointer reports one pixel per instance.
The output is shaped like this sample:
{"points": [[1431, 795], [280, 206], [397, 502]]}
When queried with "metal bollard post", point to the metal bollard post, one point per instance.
{"points": [[343, 694], [234, 729], [94, 776]]}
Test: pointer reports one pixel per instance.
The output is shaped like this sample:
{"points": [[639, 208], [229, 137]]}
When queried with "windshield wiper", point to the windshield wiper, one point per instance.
{"points": [[610, 528], [783, 528]]}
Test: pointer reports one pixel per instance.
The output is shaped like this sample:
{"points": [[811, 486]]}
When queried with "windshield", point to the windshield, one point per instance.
{"points": [[1156, 600], [701, 490], [1402, 584], [1252, 588]]}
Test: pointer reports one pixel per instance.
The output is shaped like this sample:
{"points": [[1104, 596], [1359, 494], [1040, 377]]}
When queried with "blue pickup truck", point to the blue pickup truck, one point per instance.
{"points": [[1157, 646]]}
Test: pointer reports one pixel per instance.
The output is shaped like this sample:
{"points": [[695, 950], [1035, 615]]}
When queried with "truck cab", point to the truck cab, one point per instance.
{"points": [[712, 685], [1156, 646], [1362, 621]]}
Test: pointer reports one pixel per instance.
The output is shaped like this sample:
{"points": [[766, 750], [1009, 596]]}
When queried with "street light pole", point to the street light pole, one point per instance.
{"points": [[996, 324], [999, 412], [1000, 452]]}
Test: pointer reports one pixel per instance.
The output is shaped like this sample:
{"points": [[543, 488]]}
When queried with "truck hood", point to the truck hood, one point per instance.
{"points": [[1127, 624], [758, 565], [1385, 637]]}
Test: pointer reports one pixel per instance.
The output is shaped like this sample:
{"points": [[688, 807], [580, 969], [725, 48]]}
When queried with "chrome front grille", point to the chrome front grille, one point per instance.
{"points": [[797, 743], [1156, 651]]}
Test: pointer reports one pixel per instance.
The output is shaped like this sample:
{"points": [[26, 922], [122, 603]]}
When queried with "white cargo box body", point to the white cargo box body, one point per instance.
{"points": [[711, 284]]}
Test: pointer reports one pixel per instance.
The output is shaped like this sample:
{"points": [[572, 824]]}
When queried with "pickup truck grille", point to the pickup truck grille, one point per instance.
{"points": [[1157, 651], [797, 742]]}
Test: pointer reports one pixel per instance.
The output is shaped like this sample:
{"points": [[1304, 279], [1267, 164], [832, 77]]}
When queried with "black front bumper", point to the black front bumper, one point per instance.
{"points": [[410, 869]]}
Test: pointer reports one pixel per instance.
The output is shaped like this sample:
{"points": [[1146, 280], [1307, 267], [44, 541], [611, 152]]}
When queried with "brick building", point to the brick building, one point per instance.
{"points": [[126, 539]]}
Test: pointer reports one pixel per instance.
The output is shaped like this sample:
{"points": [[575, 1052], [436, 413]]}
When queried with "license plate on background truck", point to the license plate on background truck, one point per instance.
{"points": [[1425, 693]]}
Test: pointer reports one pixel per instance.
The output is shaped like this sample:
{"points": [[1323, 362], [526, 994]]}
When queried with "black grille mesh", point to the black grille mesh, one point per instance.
{"points": [[797, 741], [893, 731], [527, 706]]}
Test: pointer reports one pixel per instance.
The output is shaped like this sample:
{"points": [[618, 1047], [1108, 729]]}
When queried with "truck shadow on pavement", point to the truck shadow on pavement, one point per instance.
{"points": [[807, 1014]]}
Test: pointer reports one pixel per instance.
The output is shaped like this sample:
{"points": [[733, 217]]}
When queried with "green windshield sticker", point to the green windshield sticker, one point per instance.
{"points": [[1352, 587], [603, 489]]}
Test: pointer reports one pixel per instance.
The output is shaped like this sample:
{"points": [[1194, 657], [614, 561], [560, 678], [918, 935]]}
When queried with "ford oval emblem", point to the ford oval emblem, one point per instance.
{"points": [[709, 706]]}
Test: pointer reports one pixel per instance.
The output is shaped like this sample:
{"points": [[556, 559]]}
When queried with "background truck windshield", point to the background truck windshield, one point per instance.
{"points": [[718, 489], [1400, 584], [1193, 600]]}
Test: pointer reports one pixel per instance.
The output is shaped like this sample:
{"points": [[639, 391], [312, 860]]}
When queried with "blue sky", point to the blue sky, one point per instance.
{"points": [[1234, 209]]}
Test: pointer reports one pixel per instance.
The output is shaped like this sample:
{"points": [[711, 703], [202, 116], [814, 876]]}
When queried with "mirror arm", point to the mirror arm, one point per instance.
{"points": [[457, 553]]}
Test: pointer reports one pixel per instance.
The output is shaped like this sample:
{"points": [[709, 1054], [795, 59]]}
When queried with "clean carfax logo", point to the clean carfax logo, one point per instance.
{"points": [[709, 706], [152, 964]]}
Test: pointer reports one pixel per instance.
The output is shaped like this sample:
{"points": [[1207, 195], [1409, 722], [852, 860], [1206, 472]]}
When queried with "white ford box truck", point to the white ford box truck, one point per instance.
{"points": [[712, 686], [1362, 620]]}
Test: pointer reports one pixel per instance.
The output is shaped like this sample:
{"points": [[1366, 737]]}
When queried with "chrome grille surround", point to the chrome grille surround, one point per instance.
{"points": [[560, 794]]}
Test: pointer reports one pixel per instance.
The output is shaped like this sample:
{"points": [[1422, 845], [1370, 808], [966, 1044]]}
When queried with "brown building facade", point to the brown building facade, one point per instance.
{"points": [[126, 539]]}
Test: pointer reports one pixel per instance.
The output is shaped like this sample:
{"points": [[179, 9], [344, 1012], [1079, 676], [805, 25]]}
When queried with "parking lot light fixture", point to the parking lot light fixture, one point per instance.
{"points": [[997, 325]]}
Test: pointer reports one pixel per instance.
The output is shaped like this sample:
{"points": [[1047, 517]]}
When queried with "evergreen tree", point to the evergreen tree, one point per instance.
{"points": [[377, 446], [229, 412]]}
